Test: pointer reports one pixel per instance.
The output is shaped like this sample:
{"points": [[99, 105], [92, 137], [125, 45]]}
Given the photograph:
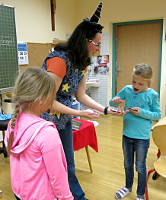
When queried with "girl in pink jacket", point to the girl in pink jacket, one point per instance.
{"points": [[37, 160]]}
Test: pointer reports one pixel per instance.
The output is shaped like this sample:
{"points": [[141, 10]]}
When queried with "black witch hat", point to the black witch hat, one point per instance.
{"points": [[96, 16]]}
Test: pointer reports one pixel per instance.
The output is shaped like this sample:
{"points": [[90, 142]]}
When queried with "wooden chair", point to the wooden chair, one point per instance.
{"points": [[159, 138]]}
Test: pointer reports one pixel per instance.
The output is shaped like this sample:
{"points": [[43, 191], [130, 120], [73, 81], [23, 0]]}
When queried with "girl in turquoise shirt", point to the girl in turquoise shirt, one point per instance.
{"points": [[143, 105]]}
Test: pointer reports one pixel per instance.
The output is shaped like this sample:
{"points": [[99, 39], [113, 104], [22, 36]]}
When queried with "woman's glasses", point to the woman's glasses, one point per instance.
{"points": [[94, 43]]}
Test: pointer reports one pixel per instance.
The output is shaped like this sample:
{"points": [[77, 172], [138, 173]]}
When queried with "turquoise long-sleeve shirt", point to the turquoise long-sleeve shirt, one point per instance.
{"points": [[139, 126]]}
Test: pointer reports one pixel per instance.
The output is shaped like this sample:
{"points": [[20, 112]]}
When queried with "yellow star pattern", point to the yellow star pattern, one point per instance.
{"points": [[66, 87], [83, 72], [58, 114]]}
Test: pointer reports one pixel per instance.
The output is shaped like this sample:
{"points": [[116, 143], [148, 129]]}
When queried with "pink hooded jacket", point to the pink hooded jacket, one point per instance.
{"points": [[37, 163]]}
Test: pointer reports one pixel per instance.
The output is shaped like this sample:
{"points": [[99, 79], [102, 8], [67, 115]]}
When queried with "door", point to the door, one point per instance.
{"points": [[137, 43]]}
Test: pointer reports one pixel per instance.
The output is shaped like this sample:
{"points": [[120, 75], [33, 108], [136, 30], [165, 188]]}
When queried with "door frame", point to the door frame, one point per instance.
{"points": [[114, 50]]}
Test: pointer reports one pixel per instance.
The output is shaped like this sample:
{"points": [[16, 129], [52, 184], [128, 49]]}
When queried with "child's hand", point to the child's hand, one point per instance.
{"points": [[117, 100], [117, 111], [134, 110]]}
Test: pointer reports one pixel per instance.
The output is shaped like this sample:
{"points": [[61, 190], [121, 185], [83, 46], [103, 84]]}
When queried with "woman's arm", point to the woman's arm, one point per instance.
{"points": [[61, 108], [83, 98]]}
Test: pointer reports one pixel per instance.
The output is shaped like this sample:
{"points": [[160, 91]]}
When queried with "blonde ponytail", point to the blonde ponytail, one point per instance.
{"points": [[13, 122]]}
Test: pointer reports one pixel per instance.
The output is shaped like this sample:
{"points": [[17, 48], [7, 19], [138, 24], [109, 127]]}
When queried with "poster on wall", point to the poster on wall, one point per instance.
{"points": [[102, 64], [22, 49]]}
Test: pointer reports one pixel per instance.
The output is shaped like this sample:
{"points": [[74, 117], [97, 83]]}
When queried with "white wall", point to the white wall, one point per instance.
{"points": [[33, 19]]}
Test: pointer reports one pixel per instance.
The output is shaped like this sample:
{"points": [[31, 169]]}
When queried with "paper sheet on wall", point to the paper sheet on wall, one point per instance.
{"points": [[105, 44], [22, 53]]}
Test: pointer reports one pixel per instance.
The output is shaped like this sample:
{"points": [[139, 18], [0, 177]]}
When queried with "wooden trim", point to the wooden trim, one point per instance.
{"points": [[53, 10]]}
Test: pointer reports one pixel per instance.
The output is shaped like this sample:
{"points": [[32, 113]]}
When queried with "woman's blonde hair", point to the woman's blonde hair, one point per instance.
{"points": [[33, 84], [143, 70]]}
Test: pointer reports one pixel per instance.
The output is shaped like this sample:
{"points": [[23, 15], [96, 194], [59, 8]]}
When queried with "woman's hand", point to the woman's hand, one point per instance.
{"points": [[92, 114]]}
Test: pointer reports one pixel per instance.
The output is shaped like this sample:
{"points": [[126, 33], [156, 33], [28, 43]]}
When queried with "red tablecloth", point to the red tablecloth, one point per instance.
{"points": [[85, 136]]}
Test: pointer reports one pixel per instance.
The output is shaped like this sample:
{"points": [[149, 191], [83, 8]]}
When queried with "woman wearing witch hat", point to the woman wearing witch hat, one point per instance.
{"points": [[68, 65]]}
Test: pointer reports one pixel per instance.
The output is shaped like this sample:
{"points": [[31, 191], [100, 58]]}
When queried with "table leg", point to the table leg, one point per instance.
{"points": [[89, 160]]}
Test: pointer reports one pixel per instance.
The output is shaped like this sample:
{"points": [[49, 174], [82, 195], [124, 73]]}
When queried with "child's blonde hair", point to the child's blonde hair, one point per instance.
{"points": [[143, 70], [33, 84]]}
